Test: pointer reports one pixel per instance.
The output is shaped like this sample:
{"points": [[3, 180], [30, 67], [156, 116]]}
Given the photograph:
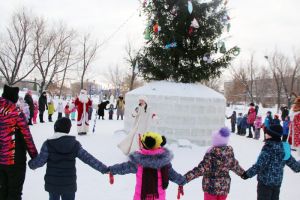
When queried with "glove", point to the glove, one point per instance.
{"points": [[244, 176], [111, 178], [180, 192]]}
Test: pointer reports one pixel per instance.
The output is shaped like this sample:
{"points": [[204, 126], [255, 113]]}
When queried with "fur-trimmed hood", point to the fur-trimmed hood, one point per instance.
{"points": [[152, 158]]}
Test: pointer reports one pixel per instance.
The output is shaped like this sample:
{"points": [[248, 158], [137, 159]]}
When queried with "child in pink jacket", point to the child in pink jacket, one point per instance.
{"points": [[257, 126], [153, 169], [36, 111]]}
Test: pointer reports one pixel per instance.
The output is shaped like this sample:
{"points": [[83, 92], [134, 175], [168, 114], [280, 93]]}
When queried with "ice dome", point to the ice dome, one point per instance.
{"points": [[184, 111]]}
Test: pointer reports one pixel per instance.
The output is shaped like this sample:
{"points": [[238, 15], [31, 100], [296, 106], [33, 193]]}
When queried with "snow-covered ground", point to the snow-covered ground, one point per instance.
{"points": [[102, 144]]}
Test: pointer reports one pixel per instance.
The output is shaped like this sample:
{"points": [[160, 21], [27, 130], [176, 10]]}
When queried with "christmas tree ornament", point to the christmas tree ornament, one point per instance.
{"points": [[191, 30], [228, 27], [236, 51], [171, 45], [223, 48], [144, 3], [195, 23], [147, 34], [206, 57], [136, 68], [209, 61], [156, 28], [190, 6], [220, 44]]}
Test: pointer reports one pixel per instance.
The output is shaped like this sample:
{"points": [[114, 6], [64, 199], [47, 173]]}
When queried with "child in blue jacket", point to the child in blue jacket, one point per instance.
{"points": [[286, 128], [270, 164], [60, 154], [239, 120], [244, 125]]}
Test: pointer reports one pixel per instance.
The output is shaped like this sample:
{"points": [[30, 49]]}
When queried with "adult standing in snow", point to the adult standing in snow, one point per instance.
{"points": [[101, 108], [233, 121], [83, 104], [294, 138], [251, 119], [15, 141], [143, 119], [28, 99], [256, 109], [284, 112], [42, 106], [120, 107]]}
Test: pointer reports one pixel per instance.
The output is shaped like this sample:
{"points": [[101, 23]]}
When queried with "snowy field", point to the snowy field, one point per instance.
{"points": [[102, 144]]}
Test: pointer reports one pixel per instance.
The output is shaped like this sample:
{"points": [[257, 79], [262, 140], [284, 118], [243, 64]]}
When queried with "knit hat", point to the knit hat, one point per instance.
{"points": [[151, 140], [221, 137], [275, 131], [11, 93], [296, 107], [63, 125], [144, 98]]}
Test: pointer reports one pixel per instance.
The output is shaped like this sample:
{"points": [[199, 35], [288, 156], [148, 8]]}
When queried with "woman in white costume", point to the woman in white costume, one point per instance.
{"points": [[143, 119]]}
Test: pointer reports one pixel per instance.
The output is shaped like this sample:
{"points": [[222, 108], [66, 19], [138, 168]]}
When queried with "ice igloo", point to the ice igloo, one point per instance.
{"points": [[184, 111]]}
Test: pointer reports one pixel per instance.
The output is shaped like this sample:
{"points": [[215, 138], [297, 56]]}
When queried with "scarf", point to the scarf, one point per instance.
{"points": [[150, 182]]}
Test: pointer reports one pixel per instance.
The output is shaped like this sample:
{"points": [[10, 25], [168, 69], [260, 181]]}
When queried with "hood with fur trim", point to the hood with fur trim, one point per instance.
{"points": [[152, 158]]}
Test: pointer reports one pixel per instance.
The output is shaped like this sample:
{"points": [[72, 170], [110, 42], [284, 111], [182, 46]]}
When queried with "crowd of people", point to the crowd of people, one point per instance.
{"points": [[253, 122], [150, 160]]}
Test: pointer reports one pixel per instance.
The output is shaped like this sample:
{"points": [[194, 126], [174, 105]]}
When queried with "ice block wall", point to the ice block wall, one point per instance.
{"points": [[192, 116]]}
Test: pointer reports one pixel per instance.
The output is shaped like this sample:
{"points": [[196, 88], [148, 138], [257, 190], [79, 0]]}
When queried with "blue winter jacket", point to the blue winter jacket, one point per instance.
{"points": [[268, 122], [239, 120], [270, 164], [286, 127], [244, 124], [60, 155]]}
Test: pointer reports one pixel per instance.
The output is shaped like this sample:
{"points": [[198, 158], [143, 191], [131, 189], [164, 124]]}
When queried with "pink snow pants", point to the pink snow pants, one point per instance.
{"points": [[214, 197]]}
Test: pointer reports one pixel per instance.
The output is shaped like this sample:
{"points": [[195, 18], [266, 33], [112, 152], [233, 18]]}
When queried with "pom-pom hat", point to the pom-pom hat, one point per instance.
{"points": [[221, 137], [151, 140]]}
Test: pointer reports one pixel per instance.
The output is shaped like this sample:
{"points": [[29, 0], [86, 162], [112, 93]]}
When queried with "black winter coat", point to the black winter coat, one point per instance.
{"points": [[62, 158], [101, 107], [42, 103], [28, 99]]}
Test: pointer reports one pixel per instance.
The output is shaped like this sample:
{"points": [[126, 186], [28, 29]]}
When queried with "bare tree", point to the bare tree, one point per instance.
{"points": [[70, 61], [246, 74], [263, 85], [14, 49], [132, 58], [214, 84], [88, 55], [49, 50], [115, 76], [274, 62]]}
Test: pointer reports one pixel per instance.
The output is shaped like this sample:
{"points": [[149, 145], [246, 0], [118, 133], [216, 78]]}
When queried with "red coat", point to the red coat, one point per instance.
{"points": [[79, 106], [251, 115], [294, 137]]}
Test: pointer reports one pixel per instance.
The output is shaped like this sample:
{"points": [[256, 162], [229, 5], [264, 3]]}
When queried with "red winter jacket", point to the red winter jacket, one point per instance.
{"points": [[15, 136], [251, 115]]}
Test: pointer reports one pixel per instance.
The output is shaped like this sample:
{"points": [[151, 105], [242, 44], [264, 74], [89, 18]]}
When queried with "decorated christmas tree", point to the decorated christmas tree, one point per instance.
{"points": [[185, 40]]}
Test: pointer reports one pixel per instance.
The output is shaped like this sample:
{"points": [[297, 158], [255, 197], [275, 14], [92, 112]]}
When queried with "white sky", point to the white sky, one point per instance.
{"points": [[257, 25]]}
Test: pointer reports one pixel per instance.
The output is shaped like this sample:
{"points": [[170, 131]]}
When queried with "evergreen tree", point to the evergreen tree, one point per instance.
{"points": [[184, 40]]}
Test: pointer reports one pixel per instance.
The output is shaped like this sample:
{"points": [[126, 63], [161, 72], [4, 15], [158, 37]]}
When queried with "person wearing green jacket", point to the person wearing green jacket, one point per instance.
{"points": [[51, 110]]}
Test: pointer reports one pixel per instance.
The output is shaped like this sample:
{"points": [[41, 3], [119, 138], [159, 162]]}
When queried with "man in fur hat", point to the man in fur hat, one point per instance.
{"points": [[83, 103]]}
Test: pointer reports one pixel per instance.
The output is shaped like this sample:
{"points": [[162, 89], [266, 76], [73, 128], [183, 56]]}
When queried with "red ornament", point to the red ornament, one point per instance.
{"points": [[191, 30]]}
